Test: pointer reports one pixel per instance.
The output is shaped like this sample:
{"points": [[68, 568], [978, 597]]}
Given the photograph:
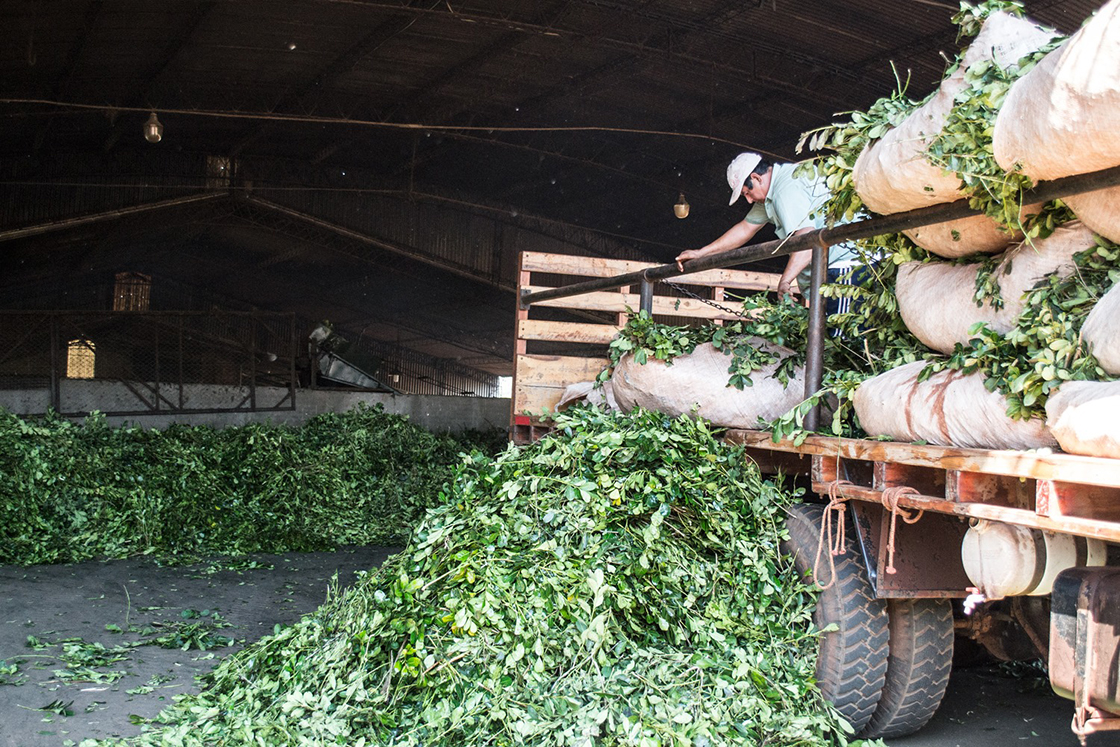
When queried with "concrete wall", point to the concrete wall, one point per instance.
{"points": [[435, 413]]}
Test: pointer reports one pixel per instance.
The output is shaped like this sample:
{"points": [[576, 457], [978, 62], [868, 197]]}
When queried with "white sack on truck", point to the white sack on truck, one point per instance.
{"points": [[936, 301], [892, 175], [947, 409], [1101, 331], [1085, 417], [698, 382], [1063, 118], [586, 391]]}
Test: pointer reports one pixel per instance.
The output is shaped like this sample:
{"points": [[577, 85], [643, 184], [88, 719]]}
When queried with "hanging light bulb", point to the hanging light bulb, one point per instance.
{"points": [[681, 208], [153, 129]]}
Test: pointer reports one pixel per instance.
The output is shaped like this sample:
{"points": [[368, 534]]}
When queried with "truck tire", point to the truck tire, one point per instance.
{"points": [[851, 660], [921, 655]]}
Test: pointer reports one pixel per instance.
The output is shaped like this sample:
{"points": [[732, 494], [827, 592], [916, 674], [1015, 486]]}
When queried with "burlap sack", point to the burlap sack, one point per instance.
{"points": [[1098, 210], [948, 409], [936, 299], [1063, 117], [586, 391], [1085, 417], [959, 238], [892, 175], [1102, 331], [698, 381]]}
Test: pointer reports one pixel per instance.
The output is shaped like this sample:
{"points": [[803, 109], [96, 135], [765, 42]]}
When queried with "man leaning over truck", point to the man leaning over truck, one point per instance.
{"points": [[793, 204]]}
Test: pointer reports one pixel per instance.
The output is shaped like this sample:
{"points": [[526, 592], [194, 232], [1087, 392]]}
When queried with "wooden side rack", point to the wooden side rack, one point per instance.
{"points": [[576, 330], [1050, 491]]}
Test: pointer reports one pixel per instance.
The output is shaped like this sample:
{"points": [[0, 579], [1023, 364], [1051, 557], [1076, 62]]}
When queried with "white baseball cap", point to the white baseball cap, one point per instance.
{"points": [[738, 171]]}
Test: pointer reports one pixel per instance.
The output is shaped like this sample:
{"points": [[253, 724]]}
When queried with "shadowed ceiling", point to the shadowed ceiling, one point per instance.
{"points": [[381, 163]]}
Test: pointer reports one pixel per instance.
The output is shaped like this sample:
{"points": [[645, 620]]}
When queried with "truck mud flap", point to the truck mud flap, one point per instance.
{"points": [[1085, 645]]}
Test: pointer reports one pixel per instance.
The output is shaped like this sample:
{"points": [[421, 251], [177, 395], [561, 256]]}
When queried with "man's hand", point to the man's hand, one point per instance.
{"points": [[797, 262], [686, 255], [738, 235]]}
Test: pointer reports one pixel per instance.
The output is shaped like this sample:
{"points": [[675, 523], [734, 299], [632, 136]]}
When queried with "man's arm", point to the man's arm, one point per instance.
{"points": [[735, 237], [797, 262]]}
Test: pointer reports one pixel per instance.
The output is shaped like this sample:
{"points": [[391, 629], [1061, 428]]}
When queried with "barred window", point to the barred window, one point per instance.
{"points": [[80, 355], [132, 291]]}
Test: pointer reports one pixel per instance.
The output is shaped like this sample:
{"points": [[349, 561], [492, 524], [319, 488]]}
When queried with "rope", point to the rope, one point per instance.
{"points": [[890, 498], [836, 539], [834, 528]]}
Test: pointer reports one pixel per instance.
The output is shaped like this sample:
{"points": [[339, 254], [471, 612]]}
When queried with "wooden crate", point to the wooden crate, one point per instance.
{"points": [[540, 380]]}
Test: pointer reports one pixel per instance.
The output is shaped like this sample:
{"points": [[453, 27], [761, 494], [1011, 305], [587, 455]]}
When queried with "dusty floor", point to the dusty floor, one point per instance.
{"points": [[78, 601], [52, 603]]}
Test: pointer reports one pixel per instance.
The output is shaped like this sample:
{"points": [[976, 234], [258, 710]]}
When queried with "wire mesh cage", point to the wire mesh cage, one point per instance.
{"points": [[140, 362]]}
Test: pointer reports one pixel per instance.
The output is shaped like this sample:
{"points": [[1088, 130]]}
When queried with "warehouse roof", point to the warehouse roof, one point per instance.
{"points": [[381, 162]]}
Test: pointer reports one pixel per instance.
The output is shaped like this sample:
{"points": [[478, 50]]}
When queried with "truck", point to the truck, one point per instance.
{"points": [[918, 550]]}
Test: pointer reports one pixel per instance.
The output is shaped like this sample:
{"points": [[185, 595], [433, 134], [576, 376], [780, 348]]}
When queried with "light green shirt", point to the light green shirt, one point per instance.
{"points": [[793, 203]]}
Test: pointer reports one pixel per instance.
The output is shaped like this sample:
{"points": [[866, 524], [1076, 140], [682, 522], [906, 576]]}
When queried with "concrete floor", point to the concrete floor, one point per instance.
{"points": [[62, 601], [982, 707]]}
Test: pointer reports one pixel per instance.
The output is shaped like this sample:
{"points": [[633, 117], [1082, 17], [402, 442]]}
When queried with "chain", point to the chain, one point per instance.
{"points": [[711, 303]]}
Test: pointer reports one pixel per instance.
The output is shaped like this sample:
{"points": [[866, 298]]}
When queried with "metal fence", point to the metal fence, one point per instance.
{"points": [[147, 362]]}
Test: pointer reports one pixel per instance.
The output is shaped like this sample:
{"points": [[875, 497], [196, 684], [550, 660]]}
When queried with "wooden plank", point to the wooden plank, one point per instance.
{"points": [[534, 329], [1107, 531], [543, 378], [1057, 498], [558, 370], [599, 267], [926, 480], [614, 301], [1025, 464], [520, 348], [995, 490], [569, 264], [536, 400], [737, 279]]}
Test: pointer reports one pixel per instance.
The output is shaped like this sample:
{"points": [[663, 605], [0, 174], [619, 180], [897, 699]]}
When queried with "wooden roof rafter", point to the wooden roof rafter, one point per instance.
{"points": [[61, 87], [288, 291], [304, 98]]}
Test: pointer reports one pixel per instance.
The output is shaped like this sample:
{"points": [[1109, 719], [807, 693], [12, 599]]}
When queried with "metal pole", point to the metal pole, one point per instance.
{"points": [[814, 355], [180, 362], [863, 229], [56, 394], [645, 298], [157, 397], [253, 361], [55, 225], [293, 352]]}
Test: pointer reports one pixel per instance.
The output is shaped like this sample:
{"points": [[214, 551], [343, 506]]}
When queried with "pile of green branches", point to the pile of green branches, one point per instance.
{"points": [[617, 583], [75, 491]]}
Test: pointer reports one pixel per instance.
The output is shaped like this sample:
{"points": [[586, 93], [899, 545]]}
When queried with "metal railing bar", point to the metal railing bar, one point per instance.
{"points": [[877, 226], [814, 353], [645, 296]]}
